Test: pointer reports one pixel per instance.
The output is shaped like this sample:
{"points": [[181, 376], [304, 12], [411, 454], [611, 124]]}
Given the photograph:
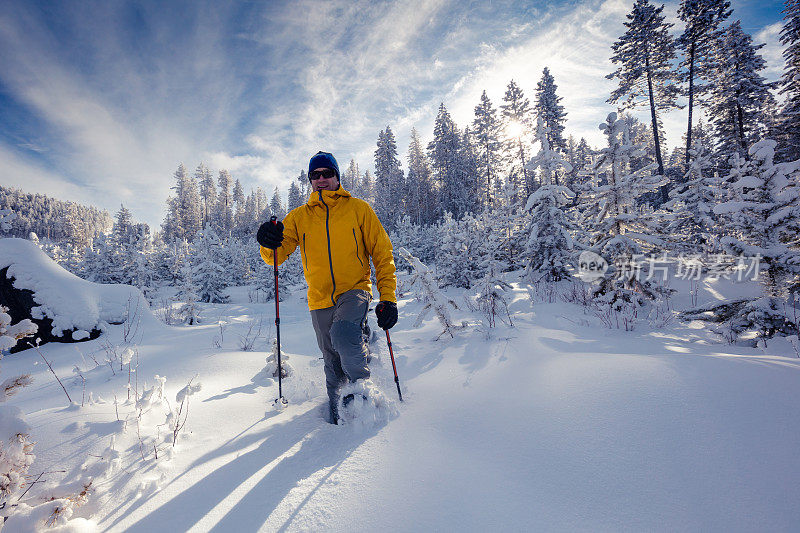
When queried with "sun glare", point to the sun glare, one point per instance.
{"points": [[514, 129]]}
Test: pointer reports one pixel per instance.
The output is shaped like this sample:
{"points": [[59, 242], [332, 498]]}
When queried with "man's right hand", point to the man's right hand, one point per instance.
{"points": [[270, 234]]}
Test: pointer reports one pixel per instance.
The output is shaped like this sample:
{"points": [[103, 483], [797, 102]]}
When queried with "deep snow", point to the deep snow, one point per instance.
{"points": [[555, 424]]}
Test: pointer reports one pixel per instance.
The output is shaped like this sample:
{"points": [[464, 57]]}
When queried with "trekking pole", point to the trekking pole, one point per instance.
{"points": [[280, 399], [394, 367]]}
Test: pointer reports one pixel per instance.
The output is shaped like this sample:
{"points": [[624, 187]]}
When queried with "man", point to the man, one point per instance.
{"points": [[337, 234]]}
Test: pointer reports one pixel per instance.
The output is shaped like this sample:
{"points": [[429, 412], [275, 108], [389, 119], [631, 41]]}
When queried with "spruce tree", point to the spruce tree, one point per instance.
{"points": [[644, 55], [276, 205], [444, 151], [788, 127], [423, 209], [208, 194], [740, 96], [224, 215], [295, 200], [697, 42], [389, 180], [486, 133], [516, 118], [549, 109]]}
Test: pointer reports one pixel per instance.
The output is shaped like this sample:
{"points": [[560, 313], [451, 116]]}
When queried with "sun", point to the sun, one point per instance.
{"points": [[514, 129]]}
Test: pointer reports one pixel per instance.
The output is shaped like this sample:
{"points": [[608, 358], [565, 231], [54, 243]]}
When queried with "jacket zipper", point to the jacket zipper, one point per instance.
{"points": [[355, 239], [305, 255], [328, 233]]}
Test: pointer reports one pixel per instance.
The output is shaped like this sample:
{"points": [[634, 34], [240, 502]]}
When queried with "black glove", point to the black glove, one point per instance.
{"points": [[387, 314], [270, 234]]}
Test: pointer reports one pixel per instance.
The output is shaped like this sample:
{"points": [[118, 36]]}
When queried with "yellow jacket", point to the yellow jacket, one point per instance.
{"points": [[337, 234]]}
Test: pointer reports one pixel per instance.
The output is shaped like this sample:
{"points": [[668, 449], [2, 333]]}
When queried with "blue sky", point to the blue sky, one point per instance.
{"points": [[100, 101]]}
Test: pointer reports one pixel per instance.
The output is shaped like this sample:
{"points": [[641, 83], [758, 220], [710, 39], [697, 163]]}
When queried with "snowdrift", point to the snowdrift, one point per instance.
{"points": [[65, 307]]}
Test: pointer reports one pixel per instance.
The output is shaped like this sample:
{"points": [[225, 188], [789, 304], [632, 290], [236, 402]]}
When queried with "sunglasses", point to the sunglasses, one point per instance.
{"points": [[326, 173]]}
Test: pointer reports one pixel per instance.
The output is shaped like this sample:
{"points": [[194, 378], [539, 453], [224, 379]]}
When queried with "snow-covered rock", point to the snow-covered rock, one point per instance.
{"points": [[71, 303]]}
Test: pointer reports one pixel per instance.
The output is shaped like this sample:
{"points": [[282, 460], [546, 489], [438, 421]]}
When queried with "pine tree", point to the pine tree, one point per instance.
{"points": [[209, 270], [516, 118], [295, 200], [240, 204], [644, 55], [422, 208], [619, 228], [764, 214], [740, 96], [389, 181], [692, 202], [351, 179], [486, 133], [276, 205], [444, 152], [224, 216], [189, 312], [549, 240], [208, 193], [703, 19], [549, 109], [788, 127], [184, 212], [368, 188]]}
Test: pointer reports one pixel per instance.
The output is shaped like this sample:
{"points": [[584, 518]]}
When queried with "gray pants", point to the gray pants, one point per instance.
{"points": [[339, 337]]}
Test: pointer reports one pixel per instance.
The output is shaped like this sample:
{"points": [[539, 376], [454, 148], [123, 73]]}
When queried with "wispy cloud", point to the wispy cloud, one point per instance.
{"points": [[118, 94]]}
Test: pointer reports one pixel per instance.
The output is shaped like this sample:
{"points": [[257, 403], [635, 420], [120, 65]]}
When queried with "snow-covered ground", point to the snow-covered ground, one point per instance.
{"points": [[554, 424]]}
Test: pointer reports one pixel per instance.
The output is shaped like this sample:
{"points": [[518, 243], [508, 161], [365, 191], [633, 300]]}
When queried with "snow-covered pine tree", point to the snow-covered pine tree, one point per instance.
{"points": [[189, 311], [765, 217], [548, 108], [368, 188], [351, 179], [209, 272], [739, 95], [7, 216], [444, 152], [517, 125], [184, 211], [486, 130], [15, 443], [619, 227], [692, 223], [788, 127], [223, 219], [697, 42], [295, 200], [549, 240], [421, 208], [208, 194], [239, 214], [645, 73], [430, 295], [389, 181], [276, 205]]}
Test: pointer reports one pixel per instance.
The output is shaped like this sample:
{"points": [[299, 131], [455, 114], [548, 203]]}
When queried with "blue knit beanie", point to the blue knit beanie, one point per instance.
{"points": [[323, 160]]}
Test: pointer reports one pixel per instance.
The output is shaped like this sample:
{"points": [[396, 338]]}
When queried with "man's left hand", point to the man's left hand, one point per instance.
{"points": [[387, 314]]}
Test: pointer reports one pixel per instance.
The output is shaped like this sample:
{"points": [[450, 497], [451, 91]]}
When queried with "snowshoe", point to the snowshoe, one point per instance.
{"points": [[363, 404]]}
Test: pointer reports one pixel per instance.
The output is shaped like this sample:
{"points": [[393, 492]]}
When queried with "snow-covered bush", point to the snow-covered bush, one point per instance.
{"points": [[430, 295], [15, 444], [491, 300]]}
